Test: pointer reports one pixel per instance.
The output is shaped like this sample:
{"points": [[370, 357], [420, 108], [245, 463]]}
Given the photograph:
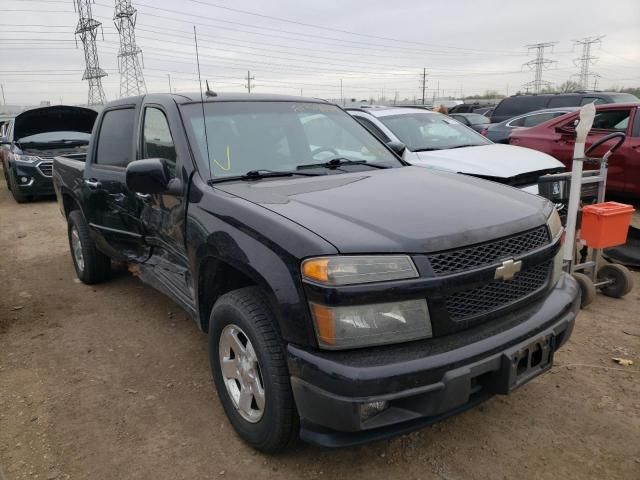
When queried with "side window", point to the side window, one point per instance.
{"points": [[533, 120], [156, 136], [597, 101], [617, 120], [369, 125], [115, 138], [518, 122], [564, 101]]}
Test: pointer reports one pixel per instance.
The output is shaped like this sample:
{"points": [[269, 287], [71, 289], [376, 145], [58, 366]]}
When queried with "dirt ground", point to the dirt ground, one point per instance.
{"points": [[112, 382]]}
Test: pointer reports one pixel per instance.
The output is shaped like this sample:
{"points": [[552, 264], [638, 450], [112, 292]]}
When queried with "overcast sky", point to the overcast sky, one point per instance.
{"points": [[375, 47]]}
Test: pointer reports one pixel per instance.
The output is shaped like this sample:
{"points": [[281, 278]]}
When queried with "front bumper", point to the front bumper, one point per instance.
{"points": [[427, 381], [38, 183]]}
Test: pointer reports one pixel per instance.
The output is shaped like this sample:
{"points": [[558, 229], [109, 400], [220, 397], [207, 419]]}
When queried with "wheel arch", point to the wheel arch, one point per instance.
{"points": [[217, 276]]}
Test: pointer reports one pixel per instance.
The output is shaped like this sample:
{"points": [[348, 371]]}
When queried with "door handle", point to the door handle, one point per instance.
{"points": [[92, 183], [143, 196]]}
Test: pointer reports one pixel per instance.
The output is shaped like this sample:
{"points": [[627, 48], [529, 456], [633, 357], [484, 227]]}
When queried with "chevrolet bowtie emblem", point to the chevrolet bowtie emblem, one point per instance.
{"points": [[508, 270]]}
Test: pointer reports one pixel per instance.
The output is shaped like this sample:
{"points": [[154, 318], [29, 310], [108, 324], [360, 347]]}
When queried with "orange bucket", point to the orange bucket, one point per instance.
{"points": [[605, 224]]}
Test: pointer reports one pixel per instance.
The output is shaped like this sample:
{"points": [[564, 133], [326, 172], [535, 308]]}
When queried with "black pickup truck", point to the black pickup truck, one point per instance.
{"points": [[347, 296]]}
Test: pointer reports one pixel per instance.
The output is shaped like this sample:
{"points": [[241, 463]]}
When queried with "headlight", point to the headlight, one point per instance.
{"points": [[555, 224], [342, 270], [367, 325], [555, 229], [25, 158]]}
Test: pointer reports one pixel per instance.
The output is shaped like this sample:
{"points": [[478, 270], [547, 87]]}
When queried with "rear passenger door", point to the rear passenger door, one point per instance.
{"points": [[112, 211]]}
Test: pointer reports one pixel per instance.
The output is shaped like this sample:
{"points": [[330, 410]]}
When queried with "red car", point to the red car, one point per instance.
{"points": [[557, 138]]}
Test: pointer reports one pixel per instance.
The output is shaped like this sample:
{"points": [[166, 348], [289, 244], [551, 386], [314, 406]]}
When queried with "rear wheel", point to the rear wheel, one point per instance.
{"points": [[619, 276], [92, 266], [250, 372]]}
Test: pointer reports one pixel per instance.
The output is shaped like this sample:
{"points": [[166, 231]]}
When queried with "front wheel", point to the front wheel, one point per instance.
{"points": [[250, 372], [92, 266]]}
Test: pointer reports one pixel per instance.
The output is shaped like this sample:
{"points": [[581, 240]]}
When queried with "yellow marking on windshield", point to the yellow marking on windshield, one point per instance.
{"points": [[228, 166]]}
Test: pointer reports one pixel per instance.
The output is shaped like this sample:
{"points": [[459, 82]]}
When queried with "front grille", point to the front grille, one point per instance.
{"points": [[46, 168], [486, 253], [497, 294]]}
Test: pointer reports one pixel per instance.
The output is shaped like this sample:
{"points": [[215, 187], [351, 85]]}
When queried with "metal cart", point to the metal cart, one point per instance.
{"points": [[583, 263]]}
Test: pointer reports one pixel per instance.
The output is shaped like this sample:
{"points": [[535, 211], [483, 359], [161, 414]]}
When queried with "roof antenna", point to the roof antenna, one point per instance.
{"points": [[209, 92], [204, 122]]}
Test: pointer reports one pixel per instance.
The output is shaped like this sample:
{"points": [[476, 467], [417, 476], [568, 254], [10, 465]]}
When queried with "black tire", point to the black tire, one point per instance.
{"points": [[94, 266], [620, 277], [248, 309], [18, 196], [587, 288]]}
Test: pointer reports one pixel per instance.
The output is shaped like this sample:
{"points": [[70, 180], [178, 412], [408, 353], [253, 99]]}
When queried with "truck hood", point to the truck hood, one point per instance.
{"points": [[496, 160], [410, 209], [54, 119]]}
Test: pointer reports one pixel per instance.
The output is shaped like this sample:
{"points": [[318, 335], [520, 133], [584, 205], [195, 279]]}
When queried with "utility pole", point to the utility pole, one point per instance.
{"points": [[424, 83], [87, 30], [341, 95], [4, 100], [537, 65], [586, 60], [249, 79], [169, 77], [131, 78], [595, 81]]}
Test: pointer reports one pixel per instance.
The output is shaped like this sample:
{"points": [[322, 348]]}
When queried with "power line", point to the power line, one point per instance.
{"points": [[586, 60], [131, 77], [87, 30], [538, 64]]}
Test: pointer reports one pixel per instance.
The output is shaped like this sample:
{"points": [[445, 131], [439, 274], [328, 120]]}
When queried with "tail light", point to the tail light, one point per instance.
{"points": [[483, 132]]}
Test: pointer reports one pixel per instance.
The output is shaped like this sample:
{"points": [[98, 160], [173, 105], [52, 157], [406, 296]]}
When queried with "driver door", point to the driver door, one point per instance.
{"points": [[163, 215]]}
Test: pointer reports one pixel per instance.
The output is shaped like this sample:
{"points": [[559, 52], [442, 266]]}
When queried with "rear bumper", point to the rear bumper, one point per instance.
{"points": [[421, 388], [36, 182]]}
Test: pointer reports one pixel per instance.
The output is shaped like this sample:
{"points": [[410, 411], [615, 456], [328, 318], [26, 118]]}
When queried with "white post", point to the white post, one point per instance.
{"points": [[587, 114]]}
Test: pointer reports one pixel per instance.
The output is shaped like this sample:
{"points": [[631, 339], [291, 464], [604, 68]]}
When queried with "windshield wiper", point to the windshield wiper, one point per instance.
{"points": [[260, 174], [463, 146], [338, 162]]}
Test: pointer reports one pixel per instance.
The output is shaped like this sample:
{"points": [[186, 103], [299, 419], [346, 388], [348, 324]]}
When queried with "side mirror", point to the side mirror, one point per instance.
{"points": [[397, 147], [565, 130], [151, 176]]}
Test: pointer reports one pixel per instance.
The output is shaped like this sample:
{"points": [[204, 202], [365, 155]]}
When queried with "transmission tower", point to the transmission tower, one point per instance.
{"points": [[537, 65], [586, 60], [87, 30], [131, 78]]}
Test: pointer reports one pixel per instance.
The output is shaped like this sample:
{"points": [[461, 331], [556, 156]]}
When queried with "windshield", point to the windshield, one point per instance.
{"points": [[53, 137], [279, 136], [422, 131]]}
